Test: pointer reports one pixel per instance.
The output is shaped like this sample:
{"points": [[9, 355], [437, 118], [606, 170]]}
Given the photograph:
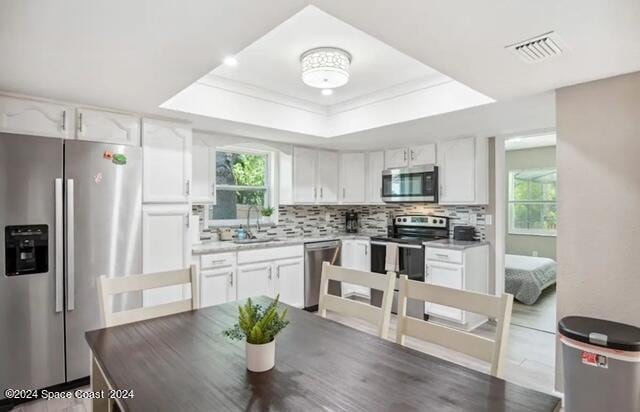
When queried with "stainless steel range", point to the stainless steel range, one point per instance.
{"points": [[409, 232]]}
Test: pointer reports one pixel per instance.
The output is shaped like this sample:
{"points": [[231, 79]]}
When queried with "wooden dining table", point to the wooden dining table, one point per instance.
{"points": [[184, 363]]}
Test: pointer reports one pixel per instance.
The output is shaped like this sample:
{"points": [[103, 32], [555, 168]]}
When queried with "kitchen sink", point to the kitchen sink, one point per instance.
{"points": [[249, 241]]}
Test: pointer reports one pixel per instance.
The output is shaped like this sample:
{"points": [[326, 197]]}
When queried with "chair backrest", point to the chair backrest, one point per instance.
{"points": [[107, 287], [378, 316], [496, 307]]}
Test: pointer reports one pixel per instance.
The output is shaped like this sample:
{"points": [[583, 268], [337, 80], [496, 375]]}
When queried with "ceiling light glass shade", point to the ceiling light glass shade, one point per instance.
{"points": [[325, 67]]}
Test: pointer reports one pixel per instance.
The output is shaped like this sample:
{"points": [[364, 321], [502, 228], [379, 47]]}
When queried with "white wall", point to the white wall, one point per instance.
{"points": [[598, 156]]}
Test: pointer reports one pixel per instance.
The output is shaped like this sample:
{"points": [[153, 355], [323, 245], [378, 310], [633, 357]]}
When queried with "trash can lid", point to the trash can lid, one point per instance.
{"points": [[600, 332]]}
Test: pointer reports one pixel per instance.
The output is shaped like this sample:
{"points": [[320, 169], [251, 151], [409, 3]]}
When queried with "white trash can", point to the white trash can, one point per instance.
{"points": [[601, 362]]}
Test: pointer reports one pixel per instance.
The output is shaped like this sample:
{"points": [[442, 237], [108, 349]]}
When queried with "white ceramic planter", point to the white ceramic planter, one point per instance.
{"points": [[261, 358]]}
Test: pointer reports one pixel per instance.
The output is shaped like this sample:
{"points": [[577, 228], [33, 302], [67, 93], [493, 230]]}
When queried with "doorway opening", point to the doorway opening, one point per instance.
{"points": [[530, 230]]}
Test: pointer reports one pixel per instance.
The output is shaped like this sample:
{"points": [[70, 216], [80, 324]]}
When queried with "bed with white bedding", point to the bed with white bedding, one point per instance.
{"points": [[527, 276]]}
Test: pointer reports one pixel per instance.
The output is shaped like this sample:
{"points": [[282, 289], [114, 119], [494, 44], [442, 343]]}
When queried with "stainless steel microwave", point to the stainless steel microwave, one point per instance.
{"points": [[413, 184]]}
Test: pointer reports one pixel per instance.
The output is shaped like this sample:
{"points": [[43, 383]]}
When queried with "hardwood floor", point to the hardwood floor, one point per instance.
{"points": [[541, 315]]}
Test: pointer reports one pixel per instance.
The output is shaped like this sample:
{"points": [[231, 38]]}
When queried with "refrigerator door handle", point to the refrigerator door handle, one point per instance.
{"points": [[70, 248], [59, 239]]}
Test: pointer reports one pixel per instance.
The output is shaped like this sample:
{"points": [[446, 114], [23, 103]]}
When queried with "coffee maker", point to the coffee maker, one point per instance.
{"points": [[351, 222]]}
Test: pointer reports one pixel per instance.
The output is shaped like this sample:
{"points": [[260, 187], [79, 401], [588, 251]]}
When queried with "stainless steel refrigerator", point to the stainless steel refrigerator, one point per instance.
{"points": [[70, 211]]}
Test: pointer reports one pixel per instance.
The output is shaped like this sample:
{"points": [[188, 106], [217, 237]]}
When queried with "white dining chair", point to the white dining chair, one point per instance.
{"points": [[379, 316], [486, 349], [109, 286]]}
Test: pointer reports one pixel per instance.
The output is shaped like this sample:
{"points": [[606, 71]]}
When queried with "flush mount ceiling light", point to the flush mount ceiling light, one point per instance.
{"points": [[325, 67], [327, 92]]}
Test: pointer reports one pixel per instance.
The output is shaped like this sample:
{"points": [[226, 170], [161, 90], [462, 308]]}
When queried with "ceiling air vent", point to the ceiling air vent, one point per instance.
{"points": [[538, 48]]}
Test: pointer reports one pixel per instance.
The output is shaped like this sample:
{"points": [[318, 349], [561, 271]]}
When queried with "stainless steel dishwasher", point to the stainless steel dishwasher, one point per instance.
{"points": [[314, 254]]}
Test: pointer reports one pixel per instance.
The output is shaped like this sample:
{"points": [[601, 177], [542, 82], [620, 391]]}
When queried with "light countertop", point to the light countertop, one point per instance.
{"points": [[455, 244], [218, 246]]}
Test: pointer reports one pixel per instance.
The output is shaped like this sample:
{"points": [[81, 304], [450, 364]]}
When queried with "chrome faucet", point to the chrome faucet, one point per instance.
{"points": [[251, 235]]}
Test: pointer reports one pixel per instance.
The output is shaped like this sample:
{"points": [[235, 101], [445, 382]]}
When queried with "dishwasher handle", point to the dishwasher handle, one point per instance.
{"points": [[323, 245]]}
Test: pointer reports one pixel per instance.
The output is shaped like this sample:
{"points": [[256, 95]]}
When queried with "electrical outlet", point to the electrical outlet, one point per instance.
{"points": [[488, 219], [534, 253]]}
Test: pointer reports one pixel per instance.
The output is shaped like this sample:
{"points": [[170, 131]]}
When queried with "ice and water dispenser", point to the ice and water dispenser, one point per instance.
{"points": [[26, 249]]}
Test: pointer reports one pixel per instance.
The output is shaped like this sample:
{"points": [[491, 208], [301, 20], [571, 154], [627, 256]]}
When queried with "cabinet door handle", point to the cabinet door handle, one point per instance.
{"points": [[321, 193], [64, 120], [366, 250], [270, 274], [213, 189], [441, 190], [344, 193], [187, 220], [230, 278], [412, 155], [80, 123], [278, 272], [315, 193], [405, 155], [188, 187]]}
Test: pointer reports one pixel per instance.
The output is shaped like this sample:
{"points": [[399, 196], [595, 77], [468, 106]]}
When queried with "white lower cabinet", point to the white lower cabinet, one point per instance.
{"points": [[466, 269], [289, 281], [450, 276], [255, 279], [165, 246], [217, 286], [229, 276], [356, 254]]}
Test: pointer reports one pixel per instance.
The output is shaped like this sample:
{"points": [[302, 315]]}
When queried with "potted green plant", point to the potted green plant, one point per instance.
{"points": [[266, 211], [259, 327]]}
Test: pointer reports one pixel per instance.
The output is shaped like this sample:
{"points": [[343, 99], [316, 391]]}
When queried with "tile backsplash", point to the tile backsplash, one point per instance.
{"points": [[318, 220]]}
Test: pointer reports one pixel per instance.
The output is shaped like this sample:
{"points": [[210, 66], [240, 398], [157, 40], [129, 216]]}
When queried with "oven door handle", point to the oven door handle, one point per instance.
{"points": [[400, 245]]}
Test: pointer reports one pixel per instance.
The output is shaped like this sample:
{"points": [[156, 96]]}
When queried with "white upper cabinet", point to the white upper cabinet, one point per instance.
{"points": [[352, 170], [25, 116], [396, 158], [166, 161], [463, 171], [203, 176], [107, 127], [304, 175], [422, 155], [165, 246], [315, 176], [327, 180], [410, 156], [375, 166]]}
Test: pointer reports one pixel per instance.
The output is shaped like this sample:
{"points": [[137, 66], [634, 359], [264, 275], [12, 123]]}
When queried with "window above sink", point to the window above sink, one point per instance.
{"points": [[244, 178]]}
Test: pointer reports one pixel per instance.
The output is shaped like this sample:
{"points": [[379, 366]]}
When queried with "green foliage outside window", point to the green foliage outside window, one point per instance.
{"points": [[532, 202]]}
